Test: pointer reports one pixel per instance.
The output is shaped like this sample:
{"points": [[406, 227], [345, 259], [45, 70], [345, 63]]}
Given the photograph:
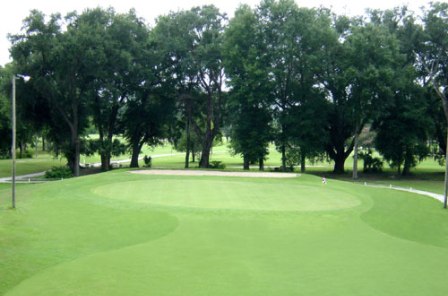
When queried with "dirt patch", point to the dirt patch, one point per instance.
{"points": [[215, 173]]}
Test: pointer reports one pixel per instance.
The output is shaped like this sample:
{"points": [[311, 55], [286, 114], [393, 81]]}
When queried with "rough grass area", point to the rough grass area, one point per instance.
{"points": [[128, 234]]}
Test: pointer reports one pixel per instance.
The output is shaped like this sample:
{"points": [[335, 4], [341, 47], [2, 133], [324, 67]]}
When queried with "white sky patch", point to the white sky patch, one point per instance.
{"points": [[13, 13]]}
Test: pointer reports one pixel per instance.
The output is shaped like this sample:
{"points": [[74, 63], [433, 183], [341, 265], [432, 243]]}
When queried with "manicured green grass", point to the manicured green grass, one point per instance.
{"points": [[124, 234], [425, 185], [30, 165]]}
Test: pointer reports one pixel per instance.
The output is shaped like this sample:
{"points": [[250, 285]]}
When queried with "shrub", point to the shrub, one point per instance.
{"points": [[61, 172], [148, 161], [371, 164], [216, 164], [286, 169], [26, 154]]}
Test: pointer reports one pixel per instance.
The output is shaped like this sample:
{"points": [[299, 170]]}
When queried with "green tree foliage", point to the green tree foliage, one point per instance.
{"points": [[306, 79], [245, 63], [289, 48], [402, 128], [145, 120], [358, 63], [25, 130], [5, 110], [191, 143], [59, 64], [432, 57], [308, 136], [119, 42], [193, 42]]}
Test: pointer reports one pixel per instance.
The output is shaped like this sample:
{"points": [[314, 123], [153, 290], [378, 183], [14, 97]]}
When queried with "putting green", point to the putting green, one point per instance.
{"points": [[222, 195]]}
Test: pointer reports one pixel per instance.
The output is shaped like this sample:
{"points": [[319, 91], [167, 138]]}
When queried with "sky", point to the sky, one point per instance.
{"points": [[13, 13]]}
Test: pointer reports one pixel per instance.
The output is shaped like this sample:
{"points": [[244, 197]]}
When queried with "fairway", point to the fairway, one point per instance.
{"points": [[128, 234]]}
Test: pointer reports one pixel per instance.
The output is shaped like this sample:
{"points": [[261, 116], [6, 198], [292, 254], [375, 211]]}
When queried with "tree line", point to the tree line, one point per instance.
{"points": [[308, 80]]}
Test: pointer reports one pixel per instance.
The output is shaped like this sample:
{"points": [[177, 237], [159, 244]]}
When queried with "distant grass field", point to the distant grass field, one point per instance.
{"points": [[124, 234], [428, 175], [29, 165]]}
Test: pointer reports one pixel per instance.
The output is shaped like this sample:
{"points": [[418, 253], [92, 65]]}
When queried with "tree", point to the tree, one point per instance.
{"points": [[358, 62], [434, 60], [119, 43], [251, 134], [308, 137], [192, 41], [53, 59], [439, 122], [5, 111], [306, 119], [282, 27], [191, 144], [403, 128], [145, 119], [246, 69]]}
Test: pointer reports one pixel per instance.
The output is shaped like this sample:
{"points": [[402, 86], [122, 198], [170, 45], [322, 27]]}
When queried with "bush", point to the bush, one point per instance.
{"points": [[216, 164], [148, 161], [286, 169], [371, 164], [61, 172], [26, 154]]}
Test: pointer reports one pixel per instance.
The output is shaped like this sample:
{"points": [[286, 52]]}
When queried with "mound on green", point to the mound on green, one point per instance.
{"points": [[125, 234]]}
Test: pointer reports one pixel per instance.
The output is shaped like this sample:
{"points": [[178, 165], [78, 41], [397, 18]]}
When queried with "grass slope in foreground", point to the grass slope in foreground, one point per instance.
{"points": [[125, 234]]}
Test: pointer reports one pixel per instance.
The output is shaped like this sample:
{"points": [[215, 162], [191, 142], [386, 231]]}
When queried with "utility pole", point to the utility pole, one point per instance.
{"points": [[13, 146]]}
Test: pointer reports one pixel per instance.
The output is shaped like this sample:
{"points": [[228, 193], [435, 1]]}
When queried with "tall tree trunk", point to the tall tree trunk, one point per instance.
{"points": [[407, 163], [105, 162], [187, 158], [77, 155], [246, 163], [193, 154], [136, 148], [355, 157], [104, 151], [20, 149], [339, 155], [302, 162], [446, 174], [44, 148], [73, 155], [187, 154], [207, 146], [107, 155], [75, 135], [208, 136], [71, 161], [441, 138], [283, 150], [339, 162], [261, 164]]}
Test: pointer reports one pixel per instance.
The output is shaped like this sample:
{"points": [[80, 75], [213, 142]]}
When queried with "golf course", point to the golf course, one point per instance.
{"points": [[121, 233], [224, 148]]}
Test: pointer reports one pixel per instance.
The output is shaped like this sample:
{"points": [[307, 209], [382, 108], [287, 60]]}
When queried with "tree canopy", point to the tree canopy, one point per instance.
{"points": [[307, 80]]}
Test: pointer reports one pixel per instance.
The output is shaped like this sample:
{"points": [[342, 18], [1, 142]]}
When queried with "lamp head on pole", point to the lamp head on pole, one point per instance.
{"points": [[24, 77]]}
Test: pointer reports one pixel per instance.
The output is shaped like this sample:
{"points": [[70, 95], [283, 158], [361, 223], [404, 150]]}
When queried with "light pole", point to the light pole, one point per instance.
{"points": [[13, 146]]}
